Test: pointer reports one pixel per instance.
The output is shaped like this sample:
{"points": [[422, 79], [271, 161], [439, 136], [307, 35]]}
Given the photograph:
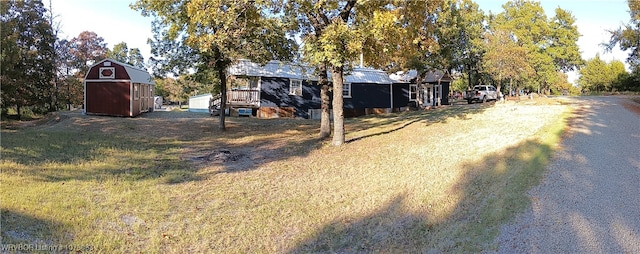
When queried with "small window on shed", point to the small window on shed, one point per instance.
{"points": [[346, 90], [136, 91], [295, 87]]}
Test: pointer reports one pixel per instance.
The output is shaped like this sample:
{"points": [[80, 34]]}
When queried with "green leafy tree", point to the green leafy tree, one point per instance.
{"points": [[219, 32], [178, 90], [333, 36], [338, 45], [563, 47], [460, 23], [353, 28], [307, 18], [618, 74], [417, 43], [628, 36], [170, 56], [27, 55], [528, 24], [122, 53], [135, 58], [551, 44], [596, 76], [628, 81], [471, 21], [505, 59], [561, 85]]}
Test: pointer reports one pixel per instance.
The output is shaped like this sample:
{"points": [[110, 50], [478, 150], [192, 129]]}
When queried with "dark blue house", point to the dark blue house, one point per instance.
{"points": [[287, 90]]}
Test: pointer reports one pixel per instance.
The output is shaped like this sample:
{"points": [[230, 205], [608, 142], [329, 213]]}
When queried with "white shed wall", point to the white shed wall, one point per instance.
{"points": [[200, 103]]}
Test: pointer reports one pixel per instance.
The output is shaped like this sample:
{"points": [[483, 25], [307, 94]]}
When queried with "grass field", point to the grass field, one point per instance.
{"points": [[170, 182]]}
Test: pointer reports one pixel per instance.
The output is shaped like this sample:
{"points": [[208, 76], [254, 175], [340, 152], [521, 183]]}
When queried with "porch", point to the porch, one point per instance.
{"points": [[245, 98]]}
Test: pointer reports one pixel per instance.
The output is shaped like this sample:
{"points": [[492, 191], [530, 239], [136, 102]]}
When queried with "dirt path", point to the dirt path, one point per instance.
{"points": [[589, 201]]}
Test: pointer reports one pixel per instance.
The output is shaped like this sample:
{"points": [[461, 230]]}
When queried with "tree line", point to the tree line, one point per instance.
{"points": [[197, 40], [42, 72]]}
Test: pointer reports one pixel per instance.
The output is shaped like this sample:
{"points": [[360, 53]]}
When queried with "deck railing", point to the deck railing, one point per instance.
{"points": [[243, 97]]}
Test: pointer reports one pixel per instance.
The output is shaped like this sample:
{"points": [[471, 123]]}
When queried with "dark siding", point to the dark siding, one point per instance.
{"points": [[275, 93], [400, 95], [445, 93], [108, 98], [368, 96]]}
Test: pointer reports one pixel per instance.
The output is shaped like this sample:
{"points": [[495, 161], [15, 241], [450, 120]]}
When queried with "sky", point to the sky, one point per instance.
{"points": [[114, 21]]}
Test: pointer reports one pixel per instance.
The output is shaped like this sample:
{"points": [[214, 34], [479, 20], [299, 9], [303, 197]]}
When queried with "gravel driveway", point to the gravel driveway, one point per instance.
{"points": [[589, 200]]}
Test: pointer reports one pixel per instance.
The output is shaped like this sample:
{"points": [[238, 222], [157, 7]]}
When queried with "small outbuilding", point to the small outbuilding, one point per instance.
{"points": [[117, 89], [200, 103]]}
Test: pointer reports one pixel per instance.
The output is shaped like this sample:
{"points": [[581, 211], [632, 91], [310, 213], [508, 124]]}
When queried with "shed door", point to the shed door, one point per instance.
{"points": [[108, 98]]}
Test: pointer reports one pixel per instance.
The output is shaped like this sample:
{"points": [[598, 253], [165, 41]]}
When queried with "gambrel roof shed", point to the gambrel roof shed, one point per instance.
{"points": [[117, 89]]}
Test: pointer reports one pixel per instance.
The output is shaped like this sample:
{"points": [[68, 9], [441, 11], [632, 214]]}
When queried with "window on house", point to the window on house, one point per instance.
{"points": [[295, 87], [413, 92], [244, 83], [346, 90]]}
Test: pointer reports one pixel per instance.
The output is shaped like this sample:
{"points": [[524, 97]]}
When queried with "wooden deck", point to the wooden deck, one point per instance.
{"points": [[236, 99], [243, 98]]}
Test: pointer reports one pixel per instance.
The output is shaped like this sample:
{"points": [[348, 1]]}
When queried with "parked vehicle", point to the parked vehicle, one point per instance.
{"points": [[481, 93]]}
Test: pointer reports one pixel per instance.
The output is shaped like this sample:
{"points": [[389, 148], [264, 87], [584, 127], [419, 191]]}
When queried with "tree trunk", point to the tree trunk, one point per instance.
{"points": [[19, 112], [223, 97], [325, 121], [469, 78], [338, 106]]}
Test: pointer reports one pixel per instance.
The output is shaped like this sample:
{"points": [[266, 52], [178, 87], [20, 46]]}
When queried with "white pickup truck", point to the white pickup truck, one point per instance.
{"points": [[481, 93]]}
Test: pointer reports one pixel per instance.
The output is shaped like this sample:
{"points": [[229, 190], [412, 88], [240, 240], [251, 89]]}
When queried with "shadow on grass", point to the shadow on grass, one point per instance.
{"points": [[133, 149], [20, 229], [62, 156], [395, 122], [492, 192], [174, 147]]}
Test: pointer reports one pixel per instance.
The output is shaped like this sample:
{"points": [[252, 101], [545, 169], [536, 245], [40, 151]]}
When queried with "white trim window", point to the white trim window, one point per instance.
{"points": [[107, 73], [413, 92], [346, 90], [136, 93], [295, 87]]}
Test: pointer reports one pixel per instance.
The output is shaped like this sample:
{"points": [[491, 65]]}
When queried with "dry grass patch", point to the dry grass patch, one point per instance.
{"points": [[439, 180]]}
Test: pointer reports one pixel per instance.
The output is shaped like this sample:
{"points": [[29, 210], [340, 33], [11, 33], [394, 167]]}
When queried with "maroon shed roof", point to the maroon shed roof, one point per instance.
{"points": [[115, 70]]}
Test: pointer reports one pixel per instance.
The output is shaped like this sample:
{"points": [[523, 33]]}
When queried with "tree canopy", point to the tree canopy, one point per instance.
{"points": [[550, 43], [628, 36], [122, 53], [27, 56], [216, 33], [600, 76]]}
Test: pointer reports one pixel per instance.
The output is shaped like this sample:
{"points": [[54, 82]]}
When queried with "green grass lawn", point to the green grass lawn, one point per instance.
{"points": [[170, 182]]}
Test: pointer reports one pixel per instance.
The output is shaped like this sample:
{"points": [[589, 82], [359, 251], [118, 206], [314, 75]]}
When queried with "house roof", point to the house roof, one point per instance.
{"points": [[437, 75], [283, 70], [431, 76], [201, 95], [271, 69], [403, 76], [136, 74]]}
